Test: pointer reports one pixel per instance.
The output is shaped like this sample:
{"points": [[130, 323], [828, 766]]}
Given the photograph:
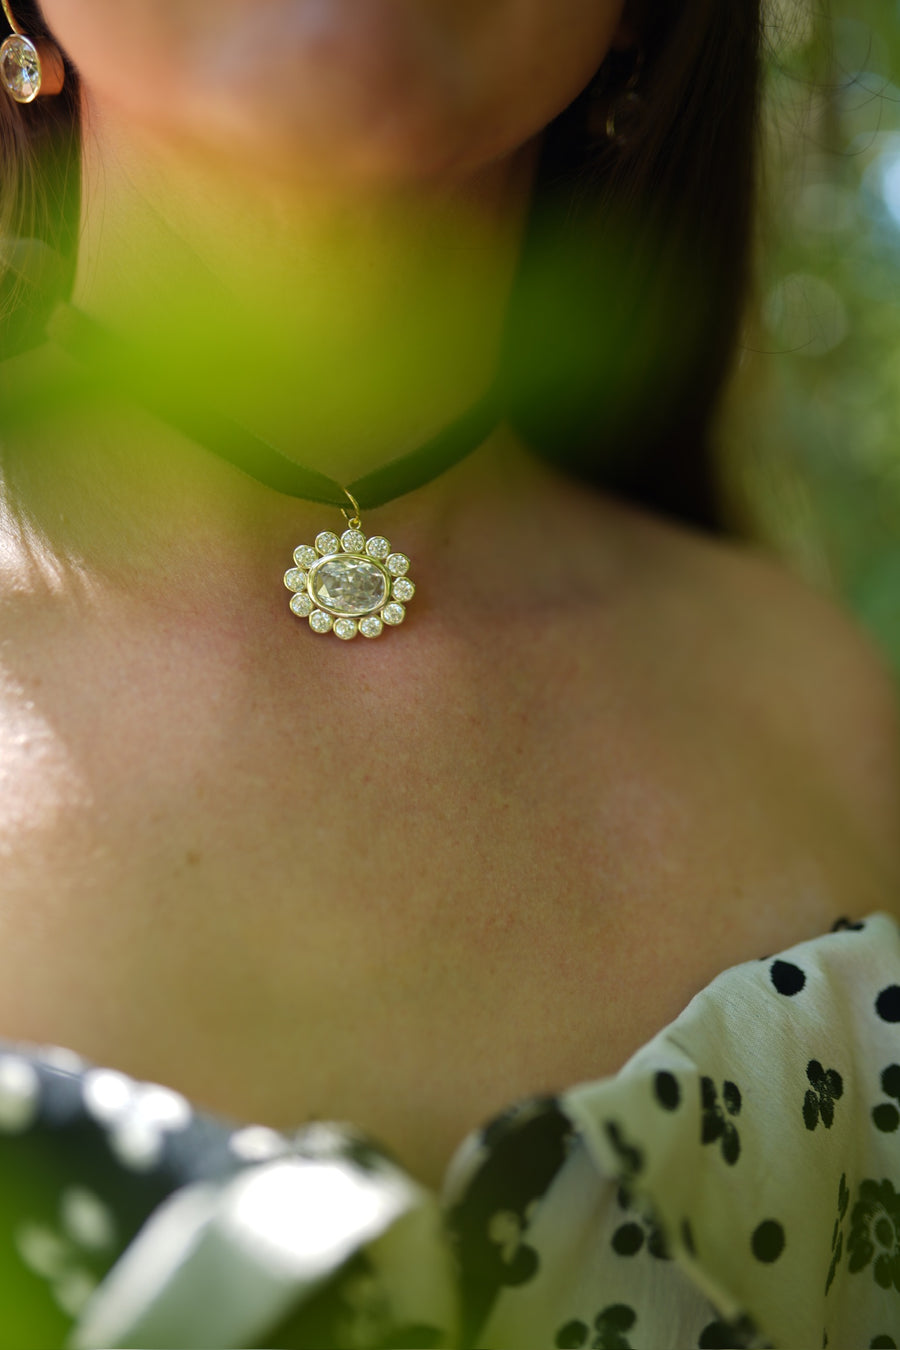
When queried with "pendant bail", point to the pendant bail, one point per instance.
{"points": [[352, 520]]}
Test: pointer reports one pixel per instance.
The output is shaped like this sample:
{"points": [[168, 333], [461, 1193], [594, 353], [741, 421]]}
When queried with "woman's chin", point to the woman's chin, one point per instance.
{"points": [[340, 93]]}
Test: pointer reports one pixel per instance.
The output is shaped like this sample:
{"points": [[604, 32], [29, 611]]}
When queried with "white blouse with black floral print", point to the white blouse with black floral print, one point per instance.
{"points": [[737, 1183]]}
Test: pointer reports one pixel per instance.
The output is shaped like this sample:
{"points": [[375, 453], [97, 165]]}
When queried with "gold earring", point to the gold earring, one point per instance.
{"points": [[28, 68], [616, 110], [626, 111]]}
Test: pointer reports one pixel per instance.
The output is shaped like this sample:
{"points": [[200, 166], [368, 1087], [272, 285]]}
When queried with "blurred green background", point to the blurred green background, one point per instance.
{"points": [[810, 431]]}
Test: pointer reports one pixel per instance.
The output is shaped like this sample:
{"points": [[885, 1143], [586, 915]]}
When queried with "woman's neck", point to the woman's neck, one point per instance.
{"points": [[346, 330], [344, 327]]}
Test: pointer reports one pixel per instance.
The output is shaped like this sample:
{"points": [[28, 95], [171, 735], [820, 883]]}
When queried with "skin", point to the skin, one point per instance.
{"points": [[387, 89], [406, 881]]}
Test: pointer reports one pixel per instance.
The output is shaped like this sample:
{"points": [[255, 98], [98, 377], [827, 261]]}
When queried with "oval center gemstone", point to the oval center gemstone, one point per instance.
{"points": [[348, 585], [20, 68]]}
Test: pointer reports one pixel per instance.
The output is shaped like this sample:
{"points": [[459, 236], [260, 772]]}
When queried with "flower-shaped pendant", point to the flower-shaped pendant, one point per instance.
{"points": [[349, 585]]}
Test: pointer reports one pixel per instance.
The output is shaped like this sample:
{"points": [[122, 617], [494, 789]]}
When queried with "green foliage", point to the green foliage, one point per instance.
{"points": [[811, 431]]}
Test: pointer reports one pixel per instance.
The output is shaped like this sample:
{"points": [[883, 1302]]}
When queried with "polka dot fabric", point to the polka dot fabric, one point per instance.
{"points": [[737, 1183]]}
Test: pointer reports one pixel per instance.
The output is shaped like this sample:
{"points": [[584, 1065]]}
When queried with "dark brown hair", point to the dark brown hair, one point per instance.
{"points": [[625, 314], [637, 263], [40, 199]]}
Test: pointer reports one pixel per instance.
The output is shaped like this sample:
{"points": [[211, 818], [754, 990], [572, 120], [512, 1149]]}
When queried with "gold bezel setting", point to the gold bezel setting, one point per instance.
{"points": [[373, 608]]}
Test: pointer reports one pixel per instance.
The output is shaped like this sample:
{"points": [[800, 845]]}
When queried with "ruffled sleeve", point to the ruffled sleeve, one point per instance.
{"points": [[737, 1183]]}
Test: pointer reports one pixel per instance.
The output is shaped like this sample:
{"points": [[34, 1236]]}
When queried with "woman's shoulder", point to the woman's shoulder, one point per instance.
{"points": [[793, 658]]}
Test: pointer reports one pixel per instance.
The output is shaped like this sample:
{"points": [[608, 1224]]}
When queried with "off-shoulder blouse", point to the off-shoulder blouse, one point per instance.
{"points": [[737, 1183]]}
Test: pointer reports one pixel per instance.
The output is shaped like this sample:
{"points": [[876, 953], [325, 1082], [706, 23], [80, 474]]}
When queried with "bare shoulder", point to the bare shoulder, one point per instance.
{"points": [[797, 659]]}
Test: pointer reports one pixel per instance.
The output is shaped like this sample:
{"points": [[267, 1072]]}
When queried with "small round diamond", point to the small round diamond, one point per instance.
{"points": [[370, 626], [378, 546], [326, 542], [302, 605], [345, 628], [304, 556], [353, 541], [295, 580], [403, 589], [320, 622], [397, 564], [393, 613]]}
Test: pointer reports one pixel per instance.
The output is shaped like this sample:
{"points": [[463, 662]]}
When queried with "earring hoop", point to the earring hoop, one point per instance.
{"points": [[615, 115], [627, 108], [29, 68]]}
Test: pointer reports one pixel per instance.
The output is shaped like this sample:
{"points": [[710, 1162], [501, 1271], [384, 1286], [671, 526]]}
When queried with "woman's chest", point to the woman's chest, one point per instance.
{"points": [[408, 917]]}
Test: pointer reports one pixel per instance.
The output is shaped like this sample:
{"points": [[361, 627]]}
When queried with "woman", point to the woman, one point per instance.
{"points": [[496, 852]]}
